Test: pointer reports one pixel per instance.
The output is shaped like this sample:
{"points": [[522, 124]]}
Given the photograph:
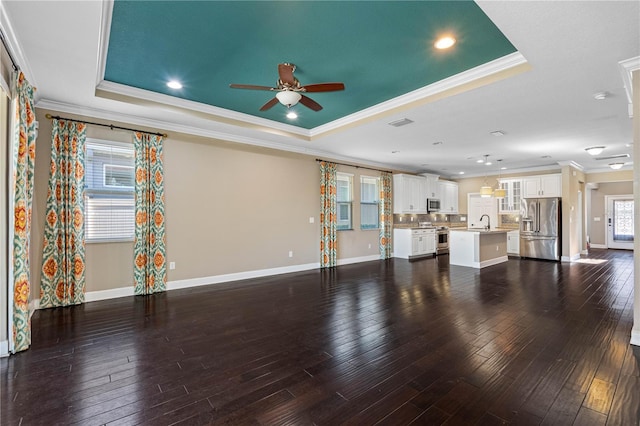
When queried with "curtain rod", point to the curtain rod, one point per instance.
{"points": [[111, 126], [6, 48], [357, 167]]}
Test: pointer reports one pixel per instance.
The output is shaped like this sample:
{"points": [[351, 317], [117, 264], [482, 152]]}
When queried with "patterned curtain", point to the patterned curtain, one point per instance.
{"points": [[149, 250], [328, 217], [24, 156], [63, 256], [385, 215]]}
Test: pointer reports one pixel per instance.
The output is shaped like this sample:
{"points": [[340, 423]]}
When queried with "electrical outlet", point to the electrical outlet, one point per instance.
{"points": [[497, 248], [312, 219], [290, 253], [369, 245], [411, 218], [172, 265]]}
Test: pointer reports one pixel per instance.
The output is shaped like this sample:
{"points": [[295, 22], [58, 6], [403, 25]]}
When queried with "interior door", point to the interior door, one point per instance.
{"points": [[620, 222]]}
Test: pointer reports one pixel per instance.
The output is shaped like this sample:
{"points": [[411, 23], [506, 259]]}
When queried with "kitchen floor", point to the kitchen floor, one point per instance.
{"points": [[384, 342]]}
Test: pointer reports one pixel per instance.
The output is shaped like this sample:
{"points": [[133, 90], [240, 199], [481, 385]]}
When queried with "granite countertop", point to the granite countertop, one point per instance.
{"points": [[483, 231]]}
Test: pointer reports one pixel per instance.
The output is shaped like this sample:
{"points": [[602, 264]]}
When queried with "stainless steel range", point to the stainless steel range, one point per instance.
{"points": [[442, 240]]}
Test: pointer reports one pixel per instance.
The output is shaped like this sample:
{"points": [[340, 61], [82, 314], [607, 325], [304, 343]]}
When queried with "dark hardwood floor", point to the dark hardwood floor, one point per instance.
{"points": [[393, 343]]}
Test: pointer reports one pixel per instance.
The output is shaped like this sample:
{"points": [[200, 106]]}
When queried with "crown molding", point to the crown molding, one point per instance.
{"points": [[15, 47], [571, 163], [494, 67], [201, 131], [212, 112], [103, 46], [627, 67]]}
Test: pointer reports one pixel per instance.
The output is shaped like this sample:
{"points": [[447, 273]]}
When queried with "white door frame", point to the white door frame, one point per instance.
{"points": [[609, 199]]}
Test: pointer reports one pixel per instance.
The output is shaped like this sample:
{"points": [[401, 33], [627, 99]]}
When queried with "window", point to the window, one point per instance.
{"points": [[369, 203], [109, 196], [344, 199]]}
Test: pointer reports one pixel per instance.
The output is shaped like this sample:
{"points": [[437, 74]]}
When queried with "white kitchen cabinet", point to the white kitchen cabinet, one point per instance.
{"points": [[432, 187], [409, 194], [513, 243], [510, 204], [543, 186], [478, 206], [411, 243], [448, 196]]}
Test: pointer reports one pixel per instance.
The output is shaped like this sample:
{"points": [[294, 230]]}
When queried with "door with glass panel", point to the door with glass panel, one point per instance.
{"points": [[620, 222]]}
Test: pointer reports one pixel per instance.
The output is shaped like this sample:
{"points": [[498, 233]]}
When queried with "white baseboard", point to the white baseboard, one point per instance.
{"points": [[237, 276], [570, 258], [33, 306], [93, 296], [113, 293], [635, 337], [492, 262], [358, 259], [601, 246], [4, 348]]}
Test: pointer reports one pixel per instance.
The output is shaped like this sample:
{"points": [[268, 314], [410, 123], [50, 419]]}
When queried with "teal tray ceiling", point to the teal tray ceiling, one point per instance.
{"points": [[379, 50]]}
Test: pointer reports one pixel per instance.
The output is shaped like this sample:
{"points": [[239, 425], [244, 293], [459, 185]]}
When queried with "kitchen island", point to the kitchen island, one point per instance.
{"points": [[477, 248]]}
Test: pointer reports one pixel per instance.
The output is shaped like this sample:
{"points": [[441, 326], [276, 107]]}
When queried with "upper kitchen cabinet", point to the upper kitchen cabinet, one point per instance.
{"points": [[448, 196], [510, 204], [409, 194], [543, 186], [432, 186]]}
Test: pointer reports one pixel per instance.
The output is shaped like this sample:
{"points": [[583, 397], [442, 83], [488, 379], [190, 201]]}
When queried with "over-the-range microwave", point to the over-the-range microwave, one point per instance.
{"points": [[433, 205]]}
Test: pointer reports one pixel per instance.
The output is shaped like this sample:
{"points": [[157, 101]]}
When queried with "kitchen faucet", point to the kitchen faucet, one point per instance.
{"points": [[486, 228]]}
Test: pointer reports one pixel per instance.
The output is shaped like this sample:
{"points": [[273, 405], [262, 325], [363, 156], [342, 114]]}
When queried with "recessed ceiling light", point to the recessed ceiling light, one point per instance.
{"points": [[497, 133], [503, 168], [600, 96], [546, 156], [174, 84], [437, 143], [292, 115], [616, 166], [480, 161], [488, 163], [395, 152], [460, 173], [594, 150], [445, 42]]}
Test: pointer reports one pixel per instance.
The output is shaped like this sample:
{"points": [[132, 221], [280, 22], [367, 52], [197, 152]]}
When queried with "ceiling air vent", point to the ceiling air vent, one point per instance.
{"points": [[401, 122], [614, 157]]}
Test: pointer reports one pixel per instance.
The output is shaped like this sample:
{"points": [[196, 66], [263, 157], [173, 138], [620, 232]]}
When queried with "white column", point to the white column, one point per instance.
{"points": [[635, 332]]}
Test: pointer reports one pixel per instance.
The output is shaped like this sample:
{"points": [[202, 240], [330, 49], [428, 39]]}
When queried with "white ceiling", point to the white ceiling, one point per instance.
{"points": [[573, 48]]}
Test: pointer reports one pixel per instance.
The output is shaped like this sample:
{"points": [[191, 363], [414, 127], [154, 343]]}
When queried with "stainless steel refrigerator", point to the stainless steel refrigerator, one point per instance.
{"points": [[540, 228]]}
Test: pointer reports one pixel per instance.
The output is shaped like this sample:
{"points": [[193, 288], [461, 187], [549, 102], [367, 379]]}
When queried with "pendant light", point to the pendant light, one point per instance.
{"points": [[499, 192], [486, 190]]}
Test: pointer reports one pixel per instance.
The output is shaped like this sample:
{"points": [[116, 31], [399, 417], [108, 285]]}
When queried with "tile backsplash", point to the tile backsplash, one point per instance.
{"points": [[450, 220]]}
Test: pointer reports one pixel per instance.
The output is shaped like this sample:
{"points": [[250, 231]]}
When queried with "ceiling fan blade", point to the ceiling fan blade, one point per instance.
{"points": [[310, 103], [251, 87], [323, 87], [285, 71], [269, 104]]}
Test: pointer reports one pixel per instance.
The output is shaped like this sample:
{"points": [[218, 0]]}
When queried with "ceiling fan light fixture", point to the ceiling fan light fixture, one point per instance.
{"points": [[594, 150], [288, 98], [616, 166]]}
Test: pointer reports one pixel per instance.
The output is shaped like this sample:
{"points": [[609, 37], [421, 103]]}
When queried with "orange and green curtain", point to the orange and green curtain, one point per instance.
{"points": [[328, 216], [63, 256], [149, 249], [24, 157], [385, 215]]}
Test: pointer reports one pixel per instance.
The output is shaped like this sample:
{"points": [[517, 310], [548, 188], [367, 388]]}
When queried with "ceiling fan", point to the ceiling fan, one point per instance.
{"points": [[290, 91]]}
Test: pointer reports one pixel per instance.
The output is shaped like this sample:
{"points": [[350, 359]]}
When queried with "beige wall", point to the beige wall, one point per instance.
{"points": [[599, 208], [573, 182], [230, 208]]}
